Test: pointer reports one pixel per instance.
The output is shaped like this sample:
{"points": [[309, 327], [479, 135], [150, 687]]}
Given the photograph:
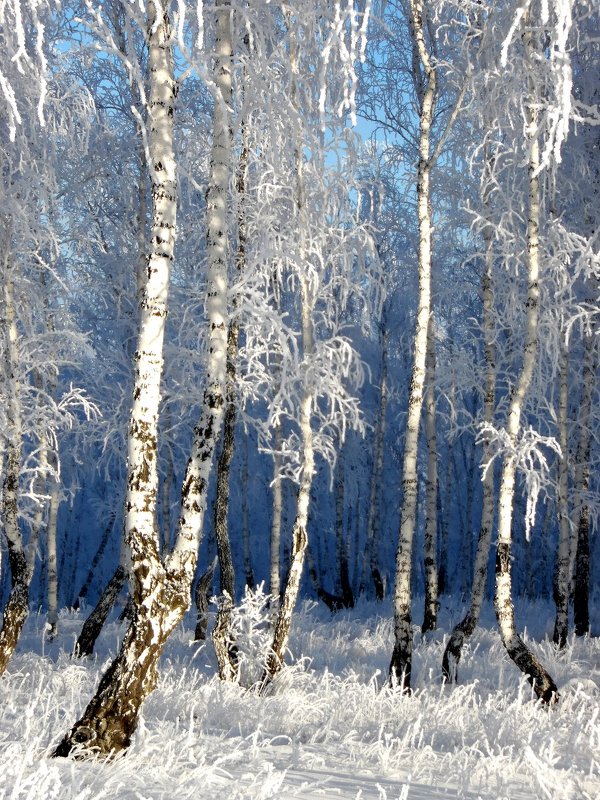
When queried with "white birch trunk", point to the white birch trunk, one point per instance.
{"points": [[562, 566], [283, 621], [431, 572], [542, 683], [400, 666], [161, 591], [465, 628]]}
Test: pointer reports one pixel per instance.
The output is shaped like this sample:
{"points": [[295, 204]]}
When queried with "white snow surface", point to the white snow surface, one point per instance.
{"points": [[330, 727]]}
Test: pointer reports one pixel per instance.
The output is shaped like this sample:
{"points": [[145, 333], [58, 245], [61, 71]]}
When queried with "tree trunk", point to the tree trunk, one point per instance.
{"points": [[400, 665], [431, 572], [543, 684], [52, 570], [17, 607], [246, 539], [374, 511], [464, 630], [561, 583], [201, 597], [283, 622], [161, 591], [274, 580], [581, 548], [85, 587], [86, 641], [341, 547]]}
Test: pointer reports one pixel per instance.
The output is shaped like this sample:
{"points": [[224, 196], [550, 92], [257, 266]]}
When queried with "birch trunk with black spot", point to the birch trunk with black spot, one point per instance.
{"points": [[400, 665]]}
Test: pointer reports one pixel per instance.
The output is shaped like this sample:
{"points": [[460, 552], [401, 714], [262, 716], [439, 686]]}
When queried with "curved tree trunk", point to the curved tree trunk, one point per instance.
{"points": [[464, 630], [543, 684], [161, 590], [401, 662], [283, 622]]}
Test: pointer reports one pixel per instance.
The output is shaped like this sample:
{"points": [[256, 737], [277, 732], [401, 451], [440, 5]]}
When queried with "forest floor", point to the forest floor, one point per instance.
{"points": [[330, 728]]}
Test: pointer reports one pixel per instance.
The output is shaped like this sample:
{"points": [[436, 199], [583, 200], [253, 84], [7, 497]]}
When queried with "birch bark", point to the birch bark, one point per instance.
{"points": [[464, 630], [400, 666], [161, 589], [431, 572], [543, 684]]}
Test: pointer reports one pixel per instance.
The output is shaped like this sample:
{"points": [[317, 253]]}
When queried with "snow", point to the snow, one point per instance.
{"points": [[330, 728]]}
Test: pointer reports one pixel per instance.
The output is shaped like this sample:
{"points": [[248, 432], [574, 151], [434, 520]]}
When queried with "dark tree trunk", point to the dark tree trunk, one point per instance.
{"points": [[17, 607], [85, 588], [581, 593], [95, 622], [201, 598], [110, 719]]}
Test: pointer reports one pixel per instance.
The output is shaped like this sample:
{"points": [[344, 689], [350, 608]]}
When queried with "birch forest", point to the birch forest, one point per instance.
{"points": [[299, 399]]}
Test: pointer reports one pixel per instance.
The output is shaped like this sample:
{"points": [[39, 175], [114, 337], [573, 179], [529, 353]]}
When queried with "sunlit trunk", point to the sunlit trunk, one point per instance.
{"points": [[161, 590], [401, 662], [542, 682]]}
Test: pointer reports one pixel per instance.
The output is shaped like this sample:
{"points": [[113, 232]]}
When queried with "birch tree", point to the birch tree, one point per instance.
{"points": [[160, 588]]}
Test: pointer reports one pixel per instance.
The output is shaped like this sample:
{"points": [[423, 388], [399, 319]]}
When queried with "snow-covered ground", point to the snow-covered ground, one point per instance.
{"points": [[330, 727]]}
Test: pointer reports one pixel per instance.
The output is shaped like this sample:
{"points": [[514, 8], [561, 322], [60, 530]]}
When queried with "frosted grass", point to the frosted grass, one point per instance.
{"points": [[330, 727]]}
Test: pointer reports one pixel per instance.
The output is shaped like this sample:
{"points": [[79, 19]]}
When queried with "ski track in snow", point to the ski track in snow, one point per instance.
{"points": [[329, 729]]}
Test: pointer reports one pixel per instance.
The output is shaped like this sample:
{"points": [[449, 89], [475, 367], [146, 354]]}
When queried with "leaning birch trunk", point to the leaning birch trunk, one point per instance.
{"points": [[431, 572], [580, 548], [464, 630], [400, 665], [161, 589], [543, 685], [17, 607], [374, 511], [563, 562]]}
